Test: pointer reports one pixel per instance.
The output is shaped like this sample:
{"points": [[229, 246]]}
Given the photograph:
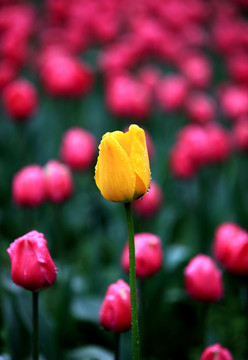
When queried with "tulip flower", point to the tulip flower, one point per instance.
{"points": [[151, 202], [33, 269], [230, 248], [58, 181], [115, 312], [122, 171], [203, 280], [20, 99], [28, 186], [31, 264], [78, 148], [148, 255], [216, 352]]}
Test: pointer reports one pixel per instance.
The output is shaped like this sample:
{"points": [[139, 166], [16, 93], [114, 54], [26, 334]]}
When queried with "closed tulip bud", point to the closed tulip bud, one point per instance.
{"points": [[122, 171], [59, 182], [151, 202], [197, 69], [20, 99], [171, 92], [240, 133], [200, 108], [216, 352], [31, 264], [148, 255], [181, 163], [78, 148], [63, 75], [115, 312], [230, 248], [28, 186], [203, 280]]}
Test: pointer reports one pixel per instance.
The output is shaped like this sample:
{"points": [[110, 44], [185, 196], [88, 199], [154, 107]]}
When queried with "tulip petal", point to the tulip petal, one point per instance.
{"points": [[114, 174], [124, 139], [140, 161]]}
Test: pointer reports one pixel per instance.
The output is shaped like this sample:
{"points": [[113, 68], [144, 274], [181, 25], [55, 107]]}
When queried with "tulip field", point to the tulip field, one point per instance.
{"points": [[124, 180]]}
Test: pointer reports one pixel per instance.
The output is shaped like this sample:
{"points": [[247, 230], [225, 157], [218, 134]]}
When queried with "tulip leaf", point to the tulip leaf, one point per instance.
{"points": [[175, 255], [86, 308], [91, 352]]}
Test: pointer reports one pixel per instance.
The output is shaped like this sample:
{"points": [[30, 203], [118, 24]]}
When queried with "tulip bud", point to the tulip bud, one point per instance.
{"points": [[216, 352], [240, 133], [181, 162], [78, 148], [63, 75], [59, 182], [151, 202], [31, 264], [122, 171], [200, 108], [171, 92], [28, 186], [115, 312], [203, 280], [230, 248], [20, 99], [148, 255], [197, 69]]}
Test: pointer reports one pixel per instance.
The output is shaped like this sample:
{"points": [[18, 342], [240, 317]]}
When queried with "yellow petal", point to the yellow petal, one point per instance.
{"points": [[140, 160], [114, 174]]}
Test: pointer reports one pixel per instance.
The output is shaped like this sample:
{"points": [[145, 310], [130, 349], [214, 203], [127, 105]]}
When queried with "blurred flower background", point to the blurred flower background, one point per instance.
{"points": [[71, 71]]}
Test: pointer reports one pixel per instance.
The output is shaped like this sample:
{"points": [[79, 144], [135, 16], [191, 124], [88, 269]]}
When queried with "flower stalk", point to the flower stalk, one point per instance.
{"points": [[132, 280], [35, 300]]}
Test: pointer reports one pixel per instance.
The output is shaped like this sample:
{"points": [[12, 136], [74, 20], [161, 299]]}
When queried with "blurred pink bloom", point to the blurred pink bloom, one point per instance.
{"points": [[78, 148], [216, 352], [28, 186], [20, 99], [148, 255], [59, 181], [203, 280], [115, 312], [151, 202], [230, 248]]}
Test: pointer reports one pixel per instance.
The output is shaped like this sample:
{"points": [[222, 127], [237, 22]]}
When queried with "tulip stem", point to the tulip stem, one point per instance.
{"points": [[132, 281], [35, 326], [117, 345]]}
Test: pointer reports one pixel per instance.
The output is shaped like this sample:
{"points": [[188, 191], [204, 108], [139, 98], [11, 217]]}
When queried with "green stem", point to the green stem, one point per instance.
{"points": [[35, 326], [132, 280], [117, 345]]}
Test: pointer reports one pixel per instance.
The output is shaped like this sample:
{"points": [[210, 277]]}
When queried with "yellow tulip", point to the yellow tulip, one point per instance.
{"points": [[122, 171]]}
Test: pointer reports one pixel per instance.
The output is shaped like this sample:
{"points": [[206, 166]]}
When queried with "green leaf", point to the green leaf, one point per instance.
{"points": [[91, 352], [86, 308], [175, 255]]}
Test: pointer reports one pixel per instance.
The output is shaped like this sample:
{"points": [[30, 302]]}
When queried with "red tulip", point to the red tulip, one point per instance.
{"points": [[181, 163], [200, 107], [63, 75], [151, 202], [203, 280], [78, 148], [28, 186], [230, 248], [216, 352], [31, 264], [115, 312], [126, 96], [148, 255], [59, 181], [171, 92], [20, 99], [196, 67], [240, 133]]}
